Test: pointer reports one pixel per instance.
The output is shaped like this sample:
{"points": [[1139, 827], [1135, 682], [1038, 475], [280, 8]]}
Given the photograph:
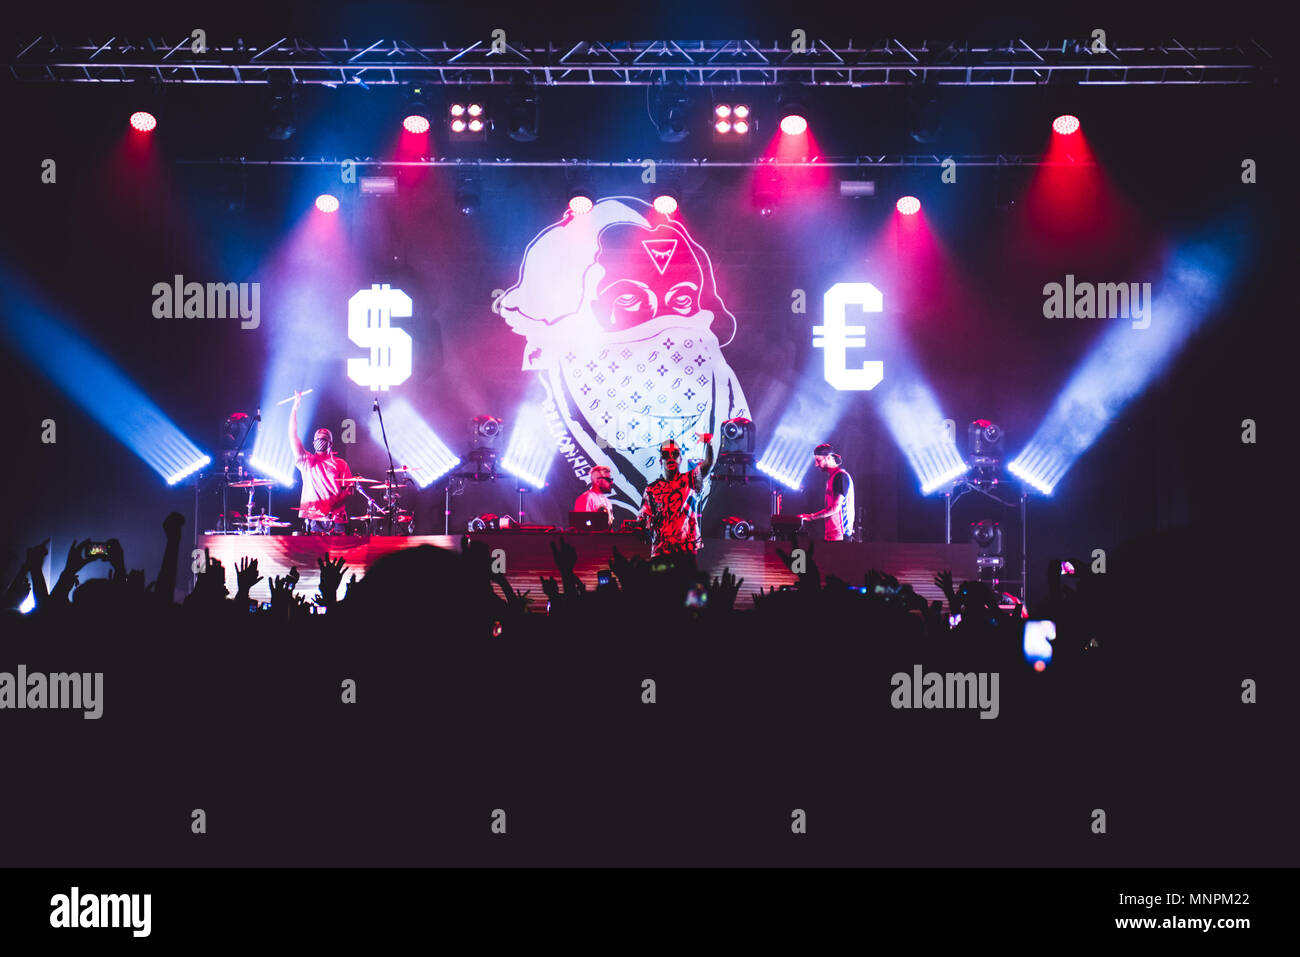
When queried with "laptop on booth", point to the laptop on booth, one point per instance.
{"points": [[589, 521]]}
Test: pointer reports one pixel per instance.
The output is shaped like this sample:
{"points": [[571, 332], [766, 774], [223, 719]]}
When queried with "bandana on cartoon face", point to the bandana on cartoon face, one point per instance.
{"points": [[637, 393]]}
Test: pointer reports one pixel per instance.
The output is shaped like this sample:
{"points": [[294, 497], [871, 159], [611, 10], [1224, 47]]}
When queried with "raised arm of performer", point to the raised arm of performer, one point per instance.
{"points": [[707, 464]]}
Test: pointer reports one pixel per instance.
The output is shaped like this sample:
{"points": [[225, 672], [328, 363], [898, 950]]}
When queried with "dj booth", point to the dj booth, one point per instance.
{"points": [[528, 557]]}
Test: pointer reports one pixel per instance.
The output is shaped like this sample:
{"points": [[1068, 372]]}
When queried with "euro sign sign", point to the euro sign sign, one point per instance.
{"points": [[370, 313], [836, 336]]}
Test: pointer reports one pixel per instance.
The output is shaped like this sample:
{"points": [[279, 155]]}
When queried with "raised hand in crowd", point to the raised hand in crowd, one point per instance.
{"points": [[166, 586], [723, 592], [246, 577], [331, 576]]}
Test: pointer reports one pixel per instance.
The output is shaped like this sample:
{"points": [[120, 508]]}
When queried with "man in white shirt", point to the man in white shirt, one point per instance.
{"points": [[596, 498]]}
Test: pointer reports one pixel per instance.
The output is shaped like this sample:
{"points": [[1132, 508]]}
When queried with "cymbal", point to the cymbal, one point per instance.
{"points": [[376, 488], [249, 483], [357, 478]]}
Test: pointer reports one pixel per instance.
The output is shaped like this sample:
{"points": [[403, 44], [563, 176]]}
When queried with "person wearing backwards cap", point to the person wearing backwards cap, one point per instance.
{"points": [[839, 495]]}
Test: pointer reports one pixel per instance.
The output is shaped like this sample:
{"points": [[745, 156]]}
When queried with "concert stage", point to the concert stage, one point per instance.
{"points": [[528, 556]]}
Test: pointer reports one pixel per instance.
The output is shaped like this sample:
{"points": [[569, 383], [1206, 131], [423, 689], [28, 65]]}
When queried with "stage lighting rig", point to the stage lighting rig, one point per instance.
{"points": [[670, 110], [732, 122], [1065, 124], [467, 119], [667, 200], [791, 113], [908, 205], [984, 440], [487, 522], [580, 201], [468, 192], [987, 537], [738, 529], [737, 442], [923, 108], [857, 187], [280, 112], [522, 120], [417, 114], [146, 107], [766, 189], [736, 454], [484, 430]]}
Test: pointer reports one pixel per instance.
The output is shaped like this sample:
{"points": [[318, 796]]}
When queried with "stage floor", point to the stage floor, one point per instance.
{"points": [[528, 556]]}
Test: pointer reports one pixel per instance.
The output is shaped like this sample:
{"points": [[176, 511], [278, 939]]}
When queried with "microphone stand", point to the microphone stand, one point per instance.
{"points": [[225, 507], [392, 471]]}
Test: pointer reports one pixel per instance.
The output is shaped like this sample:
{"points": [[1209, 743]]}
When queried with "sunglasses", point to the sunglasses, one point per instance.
{"points": [[670, 455]]}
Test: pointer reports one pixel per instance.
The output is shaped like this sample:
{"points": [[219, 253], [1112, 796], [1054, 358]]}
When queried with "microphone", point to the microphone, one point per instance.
{"points": [[375, 407], [259, 416]]}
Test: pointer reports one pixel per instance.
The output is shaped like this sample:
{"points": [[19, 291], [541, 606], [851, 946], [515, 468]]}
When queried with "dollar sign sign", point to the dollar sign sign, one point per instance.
{"points": [[370, 312]]}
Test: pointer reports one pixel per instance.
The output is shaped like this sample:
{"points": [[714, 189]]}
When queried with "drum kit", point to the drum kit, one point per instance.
{"points": [[250, 523], [384, 514]]}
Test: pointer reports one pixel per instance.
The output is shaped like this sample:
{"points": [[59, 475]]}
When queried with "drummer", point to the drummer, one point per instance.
{"points": [[324, 480]]}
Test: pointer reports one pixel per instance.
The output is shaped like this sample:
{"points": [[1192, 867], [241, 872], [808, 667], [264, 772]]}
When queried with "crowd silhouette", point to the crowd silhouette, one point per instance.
{"points": [[453, 592]]}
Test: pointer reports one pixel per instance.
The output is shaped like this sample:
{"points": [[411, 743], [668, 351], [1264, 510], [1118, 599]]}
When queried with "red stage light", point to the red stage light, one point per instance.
{"points": [[665, 205], [741, 126], [327, 203], [457, 109], [475, 125], [580, 205], [742, 111], [908, 205], [722, 110], [793, 125], [458, 126], [416, 124], [722, 126], [142, 121], [1065, 124]]}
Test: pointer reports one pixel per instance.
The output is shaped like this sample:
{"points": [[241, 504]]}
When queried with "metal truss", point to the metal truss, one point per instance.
{"points": [[876, 161], [734, 63]]}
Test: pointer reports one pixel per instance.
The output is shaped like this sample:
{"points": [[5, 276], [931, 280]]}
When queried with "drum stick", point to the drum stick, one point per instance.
{"points": [[290, 399]]}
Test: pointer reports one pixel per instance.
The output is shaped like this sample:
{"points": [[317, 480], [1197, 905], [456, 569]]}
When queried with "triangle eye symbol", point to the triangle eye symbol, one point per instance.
{"points": [[660, 252]]}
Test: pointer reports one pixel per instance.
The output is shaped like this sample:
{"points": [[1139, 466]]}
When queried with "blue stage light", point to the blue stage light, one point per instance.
{"points": [[101, 389], [413, 443], [1126, 358], [912, 414], [531, 447]]}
